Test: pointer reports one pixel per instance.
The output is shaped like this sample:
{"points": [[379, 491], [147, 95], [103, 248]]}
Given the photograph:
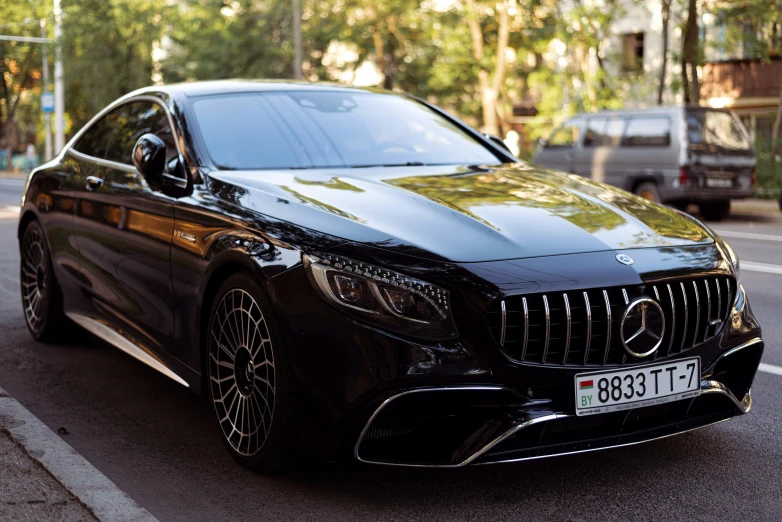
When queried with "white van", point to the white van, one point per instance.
{"points": [[673, 155]]}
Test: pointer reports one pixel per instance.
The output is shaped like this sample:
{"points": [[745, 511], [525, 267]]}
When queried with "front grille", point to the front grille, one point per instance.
{"points": [[582, 327]]}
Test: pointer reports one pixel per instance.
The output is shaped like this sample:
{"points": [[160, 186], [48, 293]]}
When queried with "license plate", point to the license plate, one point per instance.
{"points": [[602, 392], [719, 182]]}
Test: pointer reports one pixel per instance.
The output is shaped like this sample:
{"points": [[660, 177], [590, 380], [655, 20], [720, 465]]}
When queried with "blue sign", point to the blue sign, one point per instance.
{"points": [[47, 102]]}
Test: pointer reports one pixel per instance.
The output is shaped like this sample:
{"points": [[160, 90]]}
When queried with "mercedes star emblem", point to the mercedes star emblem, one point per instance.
{"points": [[624, 259], [643, 327]]}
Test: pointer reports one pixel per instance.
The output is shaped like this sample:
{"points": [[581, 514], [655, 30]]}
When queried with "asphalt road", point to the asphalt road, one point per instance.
{"points": [[156, 441]]}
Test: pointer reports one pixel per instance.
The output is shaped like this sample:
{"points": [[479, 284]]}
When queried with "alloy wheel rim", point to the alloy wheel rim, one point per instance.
{"points": [[33, 279], [241, 372]]}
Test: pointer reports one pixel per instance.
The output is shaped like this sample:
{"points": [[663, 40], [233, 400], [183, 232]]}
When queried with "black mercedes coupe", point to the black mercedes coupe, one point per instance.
{"points": [[352, 273]]}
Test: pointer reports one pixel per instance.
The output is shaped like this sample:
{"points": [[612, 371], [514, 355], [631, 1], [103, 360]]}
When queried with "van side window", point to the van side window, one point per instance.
{"points": [[604, 132], [566, 135], [647, 132]]}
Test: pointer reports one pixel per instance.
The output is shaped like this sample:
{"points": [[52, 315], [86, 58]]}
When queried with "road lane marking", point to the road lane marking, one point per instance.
{"points": [[70, 469], [751, 266], [9, 212], [748, 235], [770, 368]]}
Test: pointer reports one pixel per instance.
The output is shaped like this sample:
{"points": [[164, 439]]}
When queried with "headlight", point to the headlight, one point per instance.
{"points": [[382, 297]]}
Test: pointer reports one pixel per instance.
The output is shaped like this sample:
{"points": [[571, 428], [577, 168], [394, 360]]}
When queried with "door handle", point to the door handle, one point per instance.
{"points": [[94, 182]]}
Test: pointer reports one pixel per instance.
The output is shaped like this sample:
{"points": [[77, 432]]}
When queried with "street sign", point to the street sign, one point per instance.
{"points": [[47, 102]]}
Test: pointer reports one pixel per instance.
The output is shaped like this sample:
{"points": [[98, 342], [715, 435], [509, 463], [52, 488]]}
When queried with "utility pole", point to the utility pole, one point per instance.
{"points": [[297, 59], [47, 119], [59, 94]]}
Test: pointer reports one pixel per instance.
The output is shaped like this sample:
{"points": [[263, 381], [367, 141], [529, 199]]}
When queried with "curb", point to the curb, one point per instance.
{"points": [[82, 479]]}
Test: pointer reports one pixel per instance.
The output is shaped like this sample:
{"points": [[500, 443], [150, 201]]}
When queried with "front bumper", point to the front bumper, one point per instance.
{"points": [[458, 426]]}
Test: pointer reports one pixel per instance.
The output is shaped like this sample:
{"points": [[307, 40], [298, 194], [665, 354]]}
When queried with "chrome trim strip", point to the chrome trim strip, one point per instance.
{"points": [[103, 162], [589, 327], [697, 313], [589, 450], [745, 404], [502, 327], [673, 317], [708, 310], [719, 303], [627, 302], [548, 328], [116, 339], [567, 333], [657, 295], [402, 394], [608, 328], [727, 312], [526, 328], [754, 340], [686, 317]]}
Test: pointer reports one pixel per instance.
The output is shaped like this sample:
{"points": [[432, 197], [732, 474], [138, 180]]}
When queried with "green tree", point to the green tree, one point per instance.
{"points": [[20, 62], [107, 51]]}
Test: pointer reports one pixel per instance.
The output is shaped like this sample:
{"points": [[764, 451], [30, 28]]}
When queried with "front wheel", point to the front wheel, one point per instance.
{"points": [[715, 210], [250, 380]]}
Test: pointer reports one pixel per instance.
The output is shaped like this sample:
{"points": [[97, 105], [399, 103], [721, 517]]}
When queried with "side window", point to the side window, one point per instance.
{"points": [[647, 132], [604, 132], [566, 135], [133, 120], [593, 137], [93, 142]]}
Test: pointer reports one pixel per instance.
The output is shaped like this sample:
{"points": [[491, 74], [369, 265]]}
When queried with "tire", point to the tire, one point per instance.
{"points": [[248, 369], [41, 295], [648, 190], [715, 210]]}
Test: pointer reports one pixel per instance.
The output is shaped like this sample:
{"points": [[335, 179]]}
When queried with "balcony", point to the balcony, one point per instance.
{"points": [[736, 79]]}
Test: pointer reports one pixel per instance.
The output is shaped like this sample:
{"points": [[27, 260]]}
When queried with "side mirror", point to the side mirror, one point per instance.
{"points": [[498, 141], [149, 157]]}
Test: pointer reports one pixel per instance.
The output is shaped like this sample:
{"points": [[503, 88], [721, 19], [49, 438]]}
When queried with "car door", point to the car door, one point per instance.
{"points": [[596, 158], [557, 151], [124, 228]]}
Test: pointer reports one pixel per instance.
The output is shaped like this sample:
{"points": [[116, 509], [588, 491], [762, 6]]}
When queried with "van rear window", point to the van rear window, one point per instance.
{"points": [[715, 131], [647, 132]]}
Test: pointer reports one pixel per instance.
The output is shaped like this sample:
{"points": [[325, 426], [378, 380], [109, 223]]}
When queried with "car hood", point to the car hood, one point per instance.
{"points": [[461, 213]]}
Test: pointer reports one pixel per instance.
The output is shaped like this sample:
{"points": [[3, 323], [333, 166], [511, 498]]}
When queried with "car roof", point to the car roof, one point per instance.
{"points": [[659, 110], [206, 88]]}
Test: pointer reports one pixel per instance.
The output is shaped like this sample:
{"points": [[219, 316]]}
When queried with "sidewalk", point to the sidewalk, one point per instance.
{"points": [[43, 478], [28, 492]]}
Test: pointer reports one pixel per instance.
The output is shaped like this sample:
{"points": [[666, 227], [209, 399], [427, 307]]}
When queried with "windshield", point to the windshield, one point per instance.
{"points": [[299, 130], [715, 131]]}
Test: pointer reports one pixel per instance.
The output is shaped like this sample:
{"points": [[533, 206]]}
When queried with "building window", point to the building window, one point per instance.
{"points": [[633, 52]]}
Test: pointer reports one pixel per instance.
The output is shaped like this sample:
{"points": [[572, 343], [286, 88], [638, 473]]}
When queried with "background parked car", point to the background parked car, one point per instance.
{"points": [[673, 155]]}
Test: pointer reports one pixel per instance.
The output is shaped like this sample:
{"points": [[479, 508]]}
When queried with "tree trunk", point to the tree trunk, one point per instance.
{"points": [[775, 144], [666, 15], [489, 86], [690, 47], [9, 124]]}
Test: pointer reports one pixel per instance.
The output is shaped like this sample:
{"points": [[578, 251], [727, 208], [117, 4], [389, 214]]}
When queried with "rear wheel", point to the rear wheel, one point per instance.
{"points": [[648, 190], [250, 379], [715, 210], [41, 296]]}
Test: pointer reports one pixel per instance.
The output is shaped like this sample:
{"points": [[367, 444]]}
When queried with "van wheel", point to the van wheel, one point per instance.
{"points": [[715, 210], [648, 191]]}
